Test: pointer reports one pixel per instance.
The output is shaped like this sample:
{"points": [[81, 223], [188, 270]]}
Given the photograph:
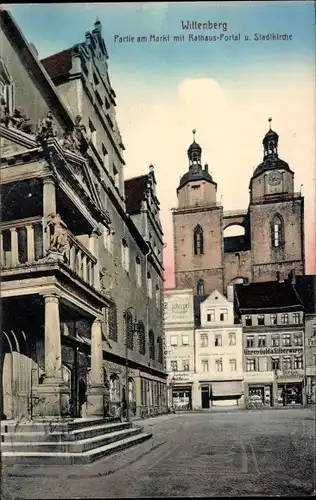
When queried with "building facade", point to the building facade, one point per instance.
{"points": [[180, 348], [86, 274], [219, 355], [272, 317], [273, 226]]}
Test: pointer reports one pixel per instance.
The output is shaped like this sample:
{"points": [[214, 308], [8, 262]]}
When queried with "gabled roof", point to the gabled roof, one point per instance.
{"points": [[306, 289], [135, 189], [269, 295], [59, 64], [215, 297]]}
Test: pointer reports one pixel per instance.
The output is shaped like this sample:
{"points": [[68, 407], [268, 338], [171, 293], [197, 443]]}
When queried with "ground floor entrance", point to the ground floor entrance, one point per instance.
{"points": [[290, 394], [182, 398]]}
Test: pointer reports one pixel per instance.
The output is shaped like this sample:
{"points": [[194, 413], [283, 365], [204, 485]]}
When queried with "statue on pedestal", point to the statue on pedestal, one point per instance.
{"points": [[58, 235], [46, 128]]}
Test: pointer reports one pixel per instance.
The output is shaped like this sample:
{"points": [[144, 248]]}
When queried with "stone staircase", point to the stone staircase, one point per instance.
{"points": [[79, 441]]}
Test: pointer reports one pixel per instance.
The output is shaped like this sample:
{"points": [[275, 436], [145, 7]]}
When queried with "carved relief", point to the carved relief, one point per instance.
{"points": [[17, 120], [108, 279], [46, 128]]}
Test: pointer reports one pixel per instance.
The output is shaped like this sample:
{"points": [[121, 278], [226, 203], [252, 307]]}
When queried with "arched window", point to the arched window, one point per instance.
{"points": [[114, 388], [129, 331], [141, 338], [159, 349], [198, 240], [200, 287], [277, 231], [151, 339]]}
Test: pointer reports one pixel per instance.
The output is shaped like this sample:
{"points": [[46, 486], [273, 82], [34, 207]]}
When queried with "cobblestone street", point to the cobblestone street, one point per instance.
{"points": [[195, 454]]}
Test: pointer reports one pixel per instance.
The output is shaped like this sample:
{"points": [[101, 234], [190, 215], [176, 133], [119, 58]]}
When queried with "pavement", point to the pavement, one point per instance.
{"points": [[222, 453]]}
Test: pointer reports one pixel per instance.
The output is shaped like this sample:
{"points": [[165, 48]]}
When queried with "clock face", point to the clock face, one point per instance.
{"points": [[274, 178]]}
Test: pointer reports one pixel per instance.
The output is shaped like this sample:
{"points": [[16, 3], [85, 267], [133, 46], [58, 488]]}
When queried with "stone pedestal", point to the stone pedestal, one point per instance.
{"points": [[52, 400], [95, 401]]}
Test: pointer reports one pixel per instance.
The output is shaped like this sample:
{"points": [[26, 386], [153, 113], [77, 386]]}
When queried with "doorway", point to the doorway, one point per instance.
{"points": [[205, 397]]}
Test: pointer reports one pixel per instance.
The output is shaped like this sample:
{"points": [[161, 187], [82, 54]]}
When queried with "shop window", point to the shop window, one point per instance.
{"points": [[174, 366], [287, 340], [275, 342], [273, 319], [248, 320], [298, 363], [204, 363], [232, 338], [250, 341], [203, 340], [260, 319], [261, 341], [218, 340], [284, 319], [296, 318], [251, 365], [287, 363], [275, 363], [219, 365]]}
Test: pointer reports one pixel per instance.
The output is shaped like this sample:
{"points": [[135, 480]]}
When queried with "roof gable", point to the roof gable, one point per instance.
{"points": [[135, 190], [58, 65], [215, 299]]}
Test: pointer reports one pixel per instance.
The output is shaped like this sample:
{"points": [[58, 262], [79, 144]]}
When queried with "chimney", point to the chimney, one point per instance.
{"points": [[230, 293]]}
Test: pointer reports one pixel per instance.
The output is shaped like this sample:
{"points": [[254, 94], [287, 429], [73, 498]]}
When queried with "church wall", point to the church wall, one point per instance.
{"points": [[236, 265]]}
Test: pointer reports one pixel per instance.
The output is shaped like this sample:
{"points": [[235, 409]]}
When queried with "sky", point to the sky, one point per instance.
{"points": [[225, 89]]}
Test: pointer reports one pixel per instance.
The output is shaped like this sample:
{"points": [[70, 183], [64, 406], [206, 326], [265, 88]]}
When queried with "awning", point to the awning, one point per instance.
{"points": [[227, 389]]}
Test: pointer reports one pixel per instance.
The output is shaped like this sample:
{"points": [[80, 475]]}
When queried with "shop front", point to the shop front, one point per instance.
{"points": [[290, 389], [262, 393], [226, 393], [182, 397]]}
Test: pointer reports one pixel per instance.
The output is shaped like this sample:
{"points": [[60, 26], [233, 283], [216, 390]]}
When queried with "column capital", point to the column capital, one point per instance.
{"points": [[98, 321], [51, 298], [13, 229], [48, 180]]}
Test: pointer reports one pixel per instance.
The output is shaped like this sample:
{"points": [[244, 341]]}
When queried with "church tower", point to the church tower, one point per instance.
{"points": [[197, 229], [276, 216]]}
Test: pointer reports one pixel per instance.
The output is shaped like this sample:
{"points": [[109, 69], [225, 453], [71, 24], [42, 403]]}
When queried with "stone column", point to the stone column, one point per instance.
{"points": [[49, 206], [94, 249], [138, 392], [95, 397], [53, 392], [30, 243], [14, 247]]}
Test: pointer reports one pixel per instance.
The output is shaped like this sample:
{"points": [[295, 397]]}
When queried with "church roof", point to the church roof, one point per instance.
{"points": [[195, 175], [267, 296], [271, 164]]}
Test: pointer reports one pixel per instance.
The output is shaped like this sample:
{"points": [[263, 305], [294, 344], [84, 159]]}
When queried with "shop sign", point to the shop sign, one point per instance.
{"points": [[291, 374], [274, 350], [178, 309], [181, 376]]}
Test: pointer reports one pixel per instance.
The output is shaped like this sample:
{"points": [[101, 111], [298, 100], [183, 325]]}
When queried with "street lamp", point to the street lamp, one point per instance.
{"points": [[134, 329]]}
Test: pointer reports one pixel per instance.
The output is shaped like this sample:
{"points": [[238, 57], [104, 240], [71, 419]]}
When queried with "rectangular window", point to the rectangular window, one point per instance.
{"points": [[219, 365], [138, 272], [273, 319], [174, 366], [284, 318], [286, 363], [287, 340], [251, 365], [93, 133], [186, 365], [204, 340], [298, 363], [149, 286], [105, 158], [248, 320], [250, 341], [260, 319], [223, 316], [298, 340], [210, 315], [261, 341], [262, 364], [275, 363], [232, 365], [185, 340], [218, 340], [275, 342], [157, 296], [204, 364], [116, 177], [173, 340], [296, 318], [232, 338], [125, 255]]}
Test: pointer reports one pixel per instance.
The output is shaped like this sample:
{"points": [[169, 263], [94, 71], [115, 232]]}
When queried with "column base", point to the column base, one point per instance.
{"points": [[52, 400], [95, 401]]}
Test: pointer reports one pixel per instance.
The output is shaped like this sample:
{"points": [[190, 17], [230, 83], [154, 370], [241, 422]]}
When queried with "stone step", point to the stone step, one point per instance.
{"points": [[76, 434], [60, 458], [65, 425], [77, 446]]}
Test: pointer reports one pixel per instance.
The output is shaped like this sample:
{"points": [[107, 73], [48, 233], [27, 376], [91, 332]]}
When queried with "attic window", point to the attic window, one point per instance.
{"points": [[195, 187]]}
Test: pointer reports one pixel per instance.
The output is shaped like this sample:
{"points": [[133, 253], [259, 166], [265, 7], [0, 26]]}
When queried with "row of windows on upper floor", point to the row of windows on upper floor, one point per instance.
{"points": [[204, 338], [287, 340], [268, 364], [272, 319], [277, 235], [219, 365]]}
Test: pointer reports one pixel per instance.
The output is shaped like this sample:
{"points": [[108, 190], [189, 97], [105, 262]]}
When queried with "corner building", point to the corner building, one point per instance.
{"points": [[80, 262], [273, 241]]}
